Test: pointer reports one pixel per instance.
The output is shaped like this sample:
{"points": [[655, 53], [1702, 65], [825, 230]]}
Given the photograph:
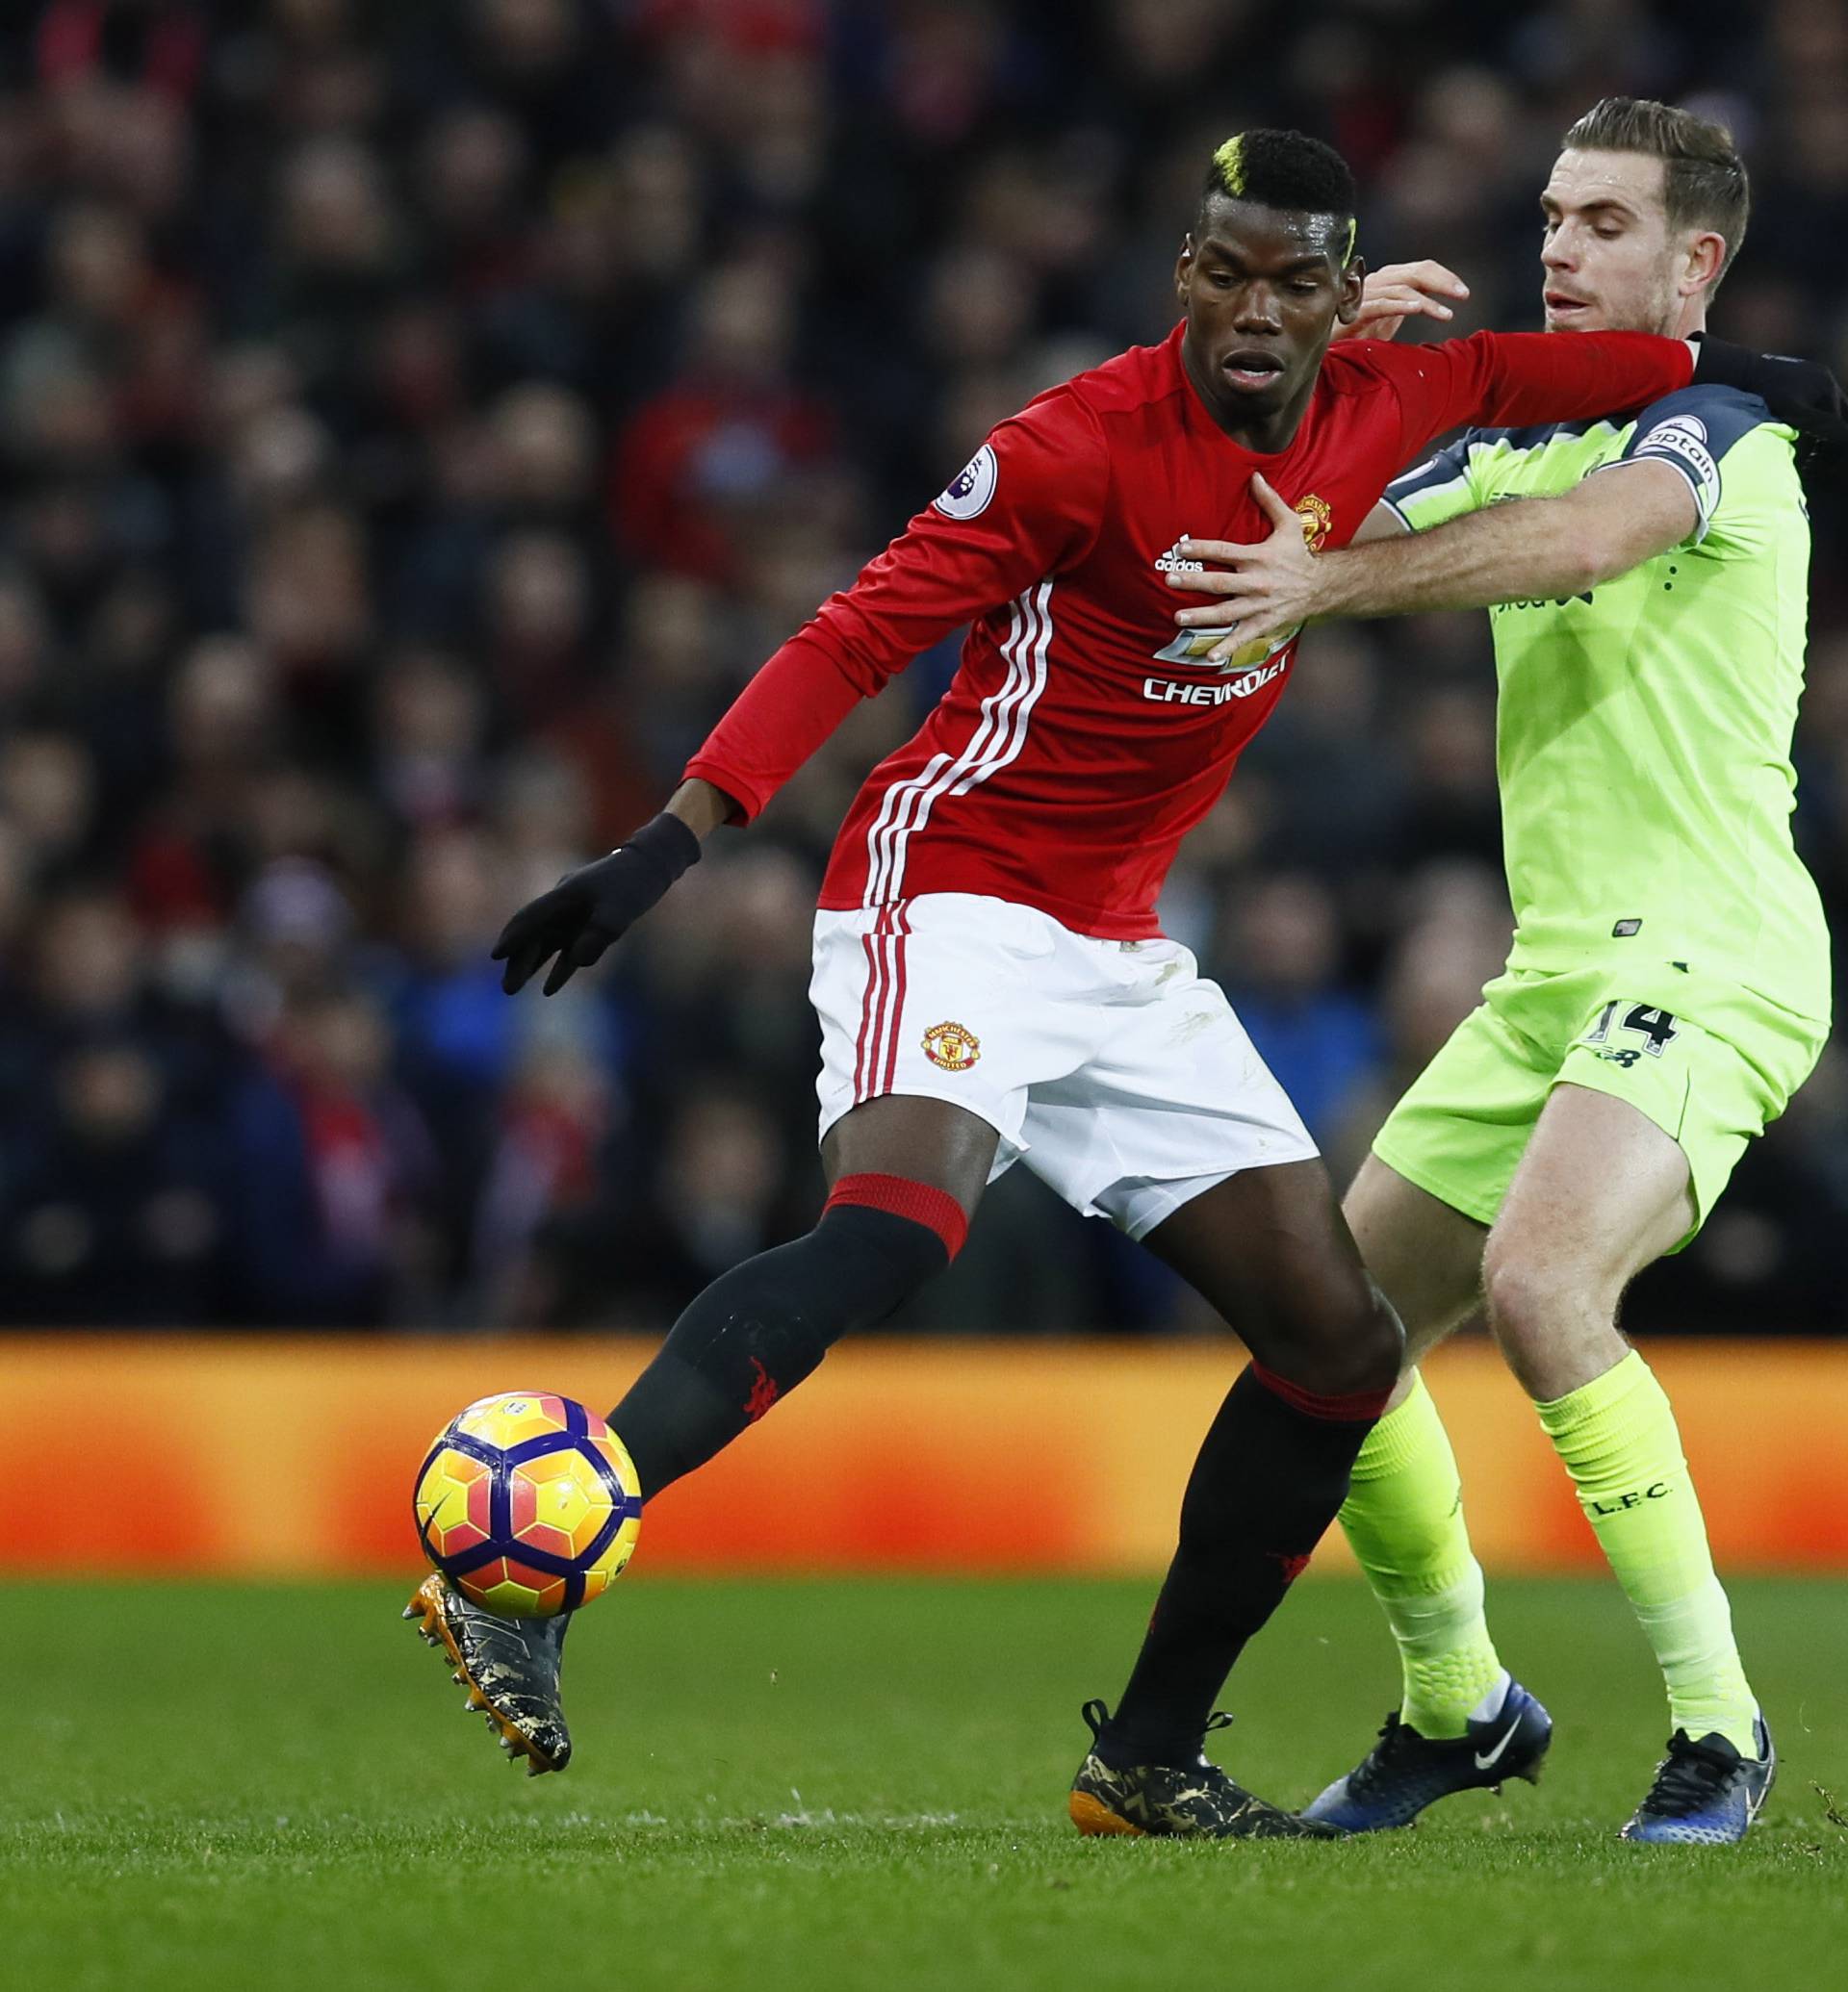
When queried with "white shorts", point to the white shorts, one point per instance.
{"points": [[1113, 1067]]}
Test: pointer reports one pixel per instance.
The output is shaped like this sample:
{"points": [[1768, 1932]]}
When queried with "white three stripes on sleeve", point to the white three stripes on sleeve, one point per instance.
{"points": [[1000, 736]]}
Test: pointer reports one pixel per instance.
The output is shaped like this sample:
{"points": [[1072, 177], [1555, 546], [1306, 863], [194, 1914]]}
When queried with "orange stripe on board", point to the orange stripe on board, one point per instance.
{"points": [[295, 1457]]}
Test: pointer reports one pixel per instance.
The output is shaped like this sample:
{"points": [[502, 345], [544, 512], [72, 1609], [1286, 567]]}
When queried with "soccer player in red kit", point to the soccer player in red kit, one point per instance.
{"points": [[990, 975]]}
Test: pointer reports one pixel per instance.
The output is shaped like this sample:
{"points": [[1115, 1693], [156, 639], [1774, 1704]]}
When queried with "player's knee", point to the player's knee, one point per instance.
{"points": [[1348, 1339], [1538, 1312], [902, 1231], [762, 1327], [1375, 1352], [875, 1262], [858, 1263]]}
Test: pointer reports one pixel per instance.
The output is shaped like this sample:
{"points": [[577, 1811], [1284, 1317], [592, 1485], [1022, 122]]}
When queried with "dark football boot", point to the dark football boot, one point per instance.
{"points": [[1192, 1801], [509, 1666], [1706, 1792], [1404, 1771]]}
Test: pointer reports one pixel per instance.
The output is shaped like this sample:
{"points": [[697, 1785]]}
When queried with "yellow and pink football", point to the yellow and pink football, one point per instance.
{"points": [[528, 1505]]}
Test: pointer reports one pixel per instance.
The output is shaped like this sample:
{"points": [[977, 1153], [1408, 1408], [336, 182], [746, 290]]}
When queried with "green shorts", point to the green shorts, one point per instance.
{"points": [[1461, 1130]]}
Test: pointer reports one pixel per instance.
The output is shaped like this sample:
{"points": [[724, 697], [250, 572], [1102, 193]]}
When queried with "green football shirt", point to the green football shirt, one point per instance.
{"points": [[1643, 727]]}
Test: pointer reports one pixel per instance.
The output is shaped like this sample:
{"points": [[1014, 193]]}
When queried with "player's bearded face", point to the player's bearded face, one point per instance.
{"points": [[1263, 289], [1610, 263]]}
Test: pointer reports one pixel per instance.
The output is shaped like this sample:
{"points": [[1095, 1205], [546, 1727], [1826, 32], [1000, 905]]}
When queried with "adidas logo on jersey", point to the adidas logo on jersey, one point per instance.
{"points": [[1172, 563]]}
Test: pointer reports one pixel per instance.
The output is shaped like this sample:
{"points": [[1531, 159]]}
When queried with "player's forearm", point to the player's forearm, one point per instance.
{"points": [[774, 725], [1548, 376], [1535, 549], [703, 806]]}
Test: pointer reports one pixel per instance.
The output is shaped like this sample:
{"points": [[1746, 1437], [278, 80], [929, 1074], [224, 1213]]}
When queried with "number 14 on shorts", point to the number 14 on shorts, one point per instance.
{"points": [[1653, 1027]]}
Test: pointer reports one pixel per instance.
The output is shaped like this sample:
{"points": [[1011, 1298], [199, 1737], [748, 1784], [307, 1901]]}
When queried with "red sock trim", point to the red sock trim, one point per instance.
{"points": [[937, 1209], [1351, 1407]]}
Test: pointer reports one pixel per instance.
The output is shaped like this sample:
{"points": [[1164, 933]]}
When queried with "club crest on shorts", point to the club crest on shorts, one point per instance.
{"points": [[952, 1046]]}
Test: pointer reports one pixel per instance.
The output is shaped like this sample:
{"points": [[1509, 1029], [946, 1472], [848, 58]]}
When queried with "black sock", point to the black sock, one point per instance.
{"points": [[1270, 1476], [760, 1328]]}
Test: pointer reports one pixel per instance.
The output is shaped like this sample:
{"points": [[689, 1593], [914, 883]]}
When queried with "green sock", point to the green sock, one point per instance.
{"points": [[1403, 1516], [1618, 1438]]}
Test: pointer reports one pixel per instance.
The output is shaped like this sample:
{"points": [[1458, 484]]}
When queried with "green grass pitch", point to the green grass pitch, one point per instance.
{"points": [[853, 1785]]}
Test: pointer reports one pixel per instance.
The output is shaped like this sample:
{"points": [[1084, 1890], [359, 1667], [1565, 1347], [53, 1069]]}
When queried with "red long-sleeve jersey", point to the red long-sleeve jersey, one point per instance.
{"points": [[1080, 740]]}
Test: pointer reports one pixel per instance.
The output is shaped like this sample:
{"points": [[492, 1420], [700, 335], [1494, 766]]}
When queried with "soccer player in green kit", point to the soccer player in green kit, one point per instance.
{"points": [[1669, 985]]}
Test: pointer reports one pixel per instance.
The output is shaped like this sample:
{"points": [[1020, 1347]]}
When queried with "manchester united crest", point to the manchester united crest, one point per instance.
{"points": [[952, 1046], [1318, 515]]}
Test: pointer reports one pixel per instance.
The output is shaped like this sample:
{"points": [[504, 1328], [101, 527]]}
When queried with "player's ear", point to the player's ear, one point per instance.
{"points": [[1183, 268], [1353, 280], [1705, 253]]}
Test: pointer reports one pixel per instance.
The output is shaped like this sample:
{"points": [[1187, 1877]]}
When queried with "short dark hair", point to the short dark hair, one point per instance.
{"points": [[1704, 183], [1283, 170]]}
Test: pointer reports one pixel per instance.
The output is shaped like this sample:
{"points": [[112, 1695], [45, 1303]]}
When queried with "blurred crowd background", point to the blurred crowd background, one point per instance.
{"points": [[420, 419]]}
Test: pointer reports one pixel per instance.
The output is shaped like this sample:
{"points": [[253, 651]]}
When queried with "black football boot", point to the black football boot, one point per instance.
{"points": [[509, 1666]]}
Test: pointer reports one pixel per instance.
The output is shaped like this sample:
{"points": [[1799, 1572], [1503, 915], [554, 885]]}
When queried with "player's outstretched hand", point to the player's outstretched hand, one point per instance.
{"points": [[595, 904], [1399, 291], [1802, 393]]}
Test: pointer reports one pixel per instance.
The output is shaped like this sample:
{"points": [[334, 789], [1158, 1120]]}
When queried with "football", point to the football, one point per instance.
{"points": [[527, 1503]]}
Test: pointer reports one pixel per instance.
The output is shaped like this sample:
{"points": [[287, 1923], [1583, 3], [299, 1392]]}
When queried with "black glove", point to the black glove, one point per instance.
{"points": [[1800, 393], [595, 904]]}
